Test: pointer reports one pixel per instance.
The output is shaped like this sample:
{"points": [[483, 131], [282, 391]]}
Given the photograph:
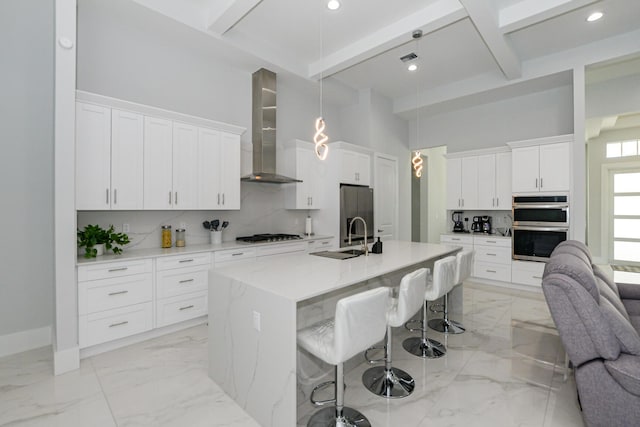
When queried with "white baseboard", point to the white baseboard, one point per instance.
{"points": [[24, 340], [66, 360]]}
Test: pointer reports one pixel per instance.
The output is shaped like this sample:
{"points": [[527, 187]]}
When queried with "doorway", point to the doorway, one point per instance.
{"points": [[623, 230]]}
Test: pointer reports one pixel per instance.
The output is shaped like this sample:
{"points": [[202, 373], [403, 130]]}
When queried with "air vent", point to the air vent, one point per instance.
{"points": [[408, 57]]}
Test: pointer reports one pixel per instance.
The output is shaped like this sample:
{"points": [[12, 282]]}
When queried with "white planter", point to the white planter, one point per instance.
{"points": [[99, 249]]}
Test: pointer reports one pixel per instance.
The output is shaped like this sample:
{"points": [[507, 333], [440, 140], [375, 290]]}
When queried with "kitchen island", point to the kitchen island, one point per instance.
{"points": [[256, 308]]}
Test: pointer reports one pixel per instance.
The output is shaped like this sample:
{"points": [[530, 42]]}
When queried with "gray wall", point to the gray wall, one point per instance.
{"points": [[26, 165], [534, 115]]}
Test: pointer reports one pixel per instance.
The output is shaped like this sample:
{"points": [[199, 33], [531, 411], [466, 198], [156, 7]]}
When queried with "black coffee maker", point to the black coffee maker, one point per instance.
{"points": [[486, 224], [458, 225], [476, 225]]}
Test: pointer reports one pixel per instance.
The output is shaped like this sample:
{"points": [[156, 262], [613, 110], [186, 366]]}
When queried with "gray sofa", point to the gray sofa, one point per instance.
{"points": [[598, 322]]}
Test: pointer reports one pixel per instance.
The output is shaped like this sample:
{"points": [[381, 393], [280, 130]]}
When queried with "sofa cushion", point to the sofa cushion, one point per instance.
{"points": [[567, 248], [625, 333], [606, 292], [626, 371], [600, 273], [575, 268], [635, 322]]}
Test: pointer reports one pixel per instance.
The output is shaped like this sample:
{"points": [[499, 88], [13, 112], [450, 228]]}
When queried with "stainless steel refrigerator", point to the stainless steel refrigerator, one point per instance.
{"points": [[355, 200]]}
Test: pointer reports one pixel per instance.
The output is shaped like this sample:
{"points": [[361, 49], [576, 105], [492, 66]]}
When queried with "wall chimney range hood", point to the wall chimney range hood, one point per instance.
{"points": [[264, 130]]}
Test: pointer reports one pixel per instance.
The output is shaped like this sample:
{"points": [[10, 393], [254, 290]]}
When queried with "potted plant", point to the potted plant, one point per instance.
{"points": [[93, 238]]}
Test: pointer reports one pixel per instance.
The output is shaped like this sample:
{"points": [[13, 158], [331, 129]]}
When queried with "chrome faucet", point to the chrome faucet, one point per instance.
{"points": [[364, 243]]}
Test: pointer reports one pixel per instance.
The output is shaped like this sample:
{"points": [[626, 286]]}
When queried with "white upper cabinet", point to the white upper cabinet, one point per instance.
{"points": [[219, 169], [158, 163], [185, 166], [462, 183], [355, 168], [541, 168], [494, 181], [300, 162], [109, 158]]}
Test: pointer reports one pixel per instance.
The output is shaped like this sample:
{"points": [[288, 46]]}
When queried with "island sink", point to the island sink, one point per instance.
{"points": [[345, 254]]}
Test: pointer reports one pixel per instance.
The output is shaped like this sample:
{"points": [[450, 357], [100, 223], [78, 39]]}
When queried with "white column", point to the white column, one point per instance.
{"points": [[578, 158]]}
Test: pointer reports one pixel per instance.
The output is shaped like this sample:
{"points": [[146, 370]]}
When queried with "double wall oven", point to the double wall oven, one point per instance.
{"points": [[540, 223]]}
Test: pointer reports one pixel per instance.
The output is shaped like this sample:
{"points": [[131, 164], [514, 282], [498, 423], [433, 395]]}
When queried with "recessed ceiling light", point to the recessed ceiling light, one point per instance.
{"points": [[412, 67], [595, 16], [333, 4]]}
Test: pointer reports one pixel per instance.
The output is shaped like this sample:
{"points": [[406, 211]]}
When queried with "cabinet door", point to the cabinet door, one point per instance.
{"points": [[126, 160], [230, 171], [469, 189], [209, 196], [93, 155], [316, 179], [487, 181], [158, 163], [185, 166], [525, 164], [363, 169], [348, 173], [385, 197], [503, 181], [554, 167], [454, 184], [304, 163]]}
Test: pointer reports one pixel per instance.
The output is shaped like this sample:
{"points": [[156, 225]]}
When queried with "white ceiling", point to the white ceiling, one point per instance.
{"points": [[469, 47]]}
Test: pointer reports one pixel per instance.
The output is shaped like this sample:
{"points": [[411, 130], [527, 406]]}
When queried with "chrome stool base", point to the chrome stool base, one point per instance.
{"points": [[392, 383], [327, 417], [446, 326], [427, 348]]}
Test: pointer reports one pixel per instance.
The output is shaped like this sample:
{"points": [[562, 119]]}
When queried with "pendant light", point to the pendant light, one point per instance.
{"points": [[319, 137], [416, 160]]}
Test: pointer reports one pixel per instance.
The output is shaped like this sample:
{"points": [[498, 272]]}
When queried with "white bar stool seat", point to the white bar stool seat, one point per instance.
{"points": [[360, 321], [464, 262], [387, 381], [442, 282]]}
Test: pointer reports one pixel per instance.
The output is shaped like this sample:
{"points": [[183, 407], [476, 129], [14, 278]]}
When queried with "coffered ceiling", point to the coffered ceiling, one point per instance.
{"points": [[469, 46]]}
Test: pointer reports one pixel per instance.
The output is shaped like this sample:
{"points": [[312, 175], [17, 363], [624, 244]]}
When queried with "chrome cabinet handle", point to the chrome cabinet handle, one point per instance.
{"points": [[186, 308], [186, 281], [113, 325], [115, 196], [169, 197], [223, 199], [176, 198], [107, 191], [186, 260], [497, 201], [118, 269], [455, 239], [541, 183], [491, 254], [118, 293], [218, 198], [238, 254], [536, 182], [491, 241], [491, 271]]}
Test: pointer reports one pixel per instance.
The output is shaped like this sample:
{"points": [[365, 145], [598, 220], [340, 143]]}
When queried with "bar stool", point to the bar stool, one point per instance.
{"points": [[442, 282], [387, 381], [464, 262], [360, 322]]}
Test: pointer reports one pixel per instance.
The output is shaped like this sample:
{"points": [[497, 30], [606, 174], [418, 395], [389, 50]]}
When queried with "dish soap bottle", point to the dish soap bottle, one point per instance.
{"points": [[377, 247]]}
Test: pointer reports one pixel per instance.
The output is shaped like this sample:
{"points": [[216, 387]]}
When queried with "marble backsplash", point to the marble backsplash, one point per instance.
{"points": [[262, 211]]}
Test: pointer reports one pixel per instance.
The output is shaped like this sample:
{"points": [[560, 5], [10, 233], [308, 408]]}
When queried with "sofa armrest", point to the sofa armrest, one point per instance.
{"points": [[626, 371], [629, 290]]}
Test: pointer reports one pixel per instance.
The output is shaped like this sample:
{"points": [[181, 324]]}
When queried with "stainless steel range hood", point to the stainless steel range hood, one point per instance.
{"points": [[264, 130]]}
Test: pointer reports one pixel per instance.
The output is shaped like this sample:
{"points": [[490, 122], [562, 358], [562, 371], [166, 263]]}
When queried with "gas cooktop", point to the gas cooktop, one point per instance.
{"points": [[261, 238]]}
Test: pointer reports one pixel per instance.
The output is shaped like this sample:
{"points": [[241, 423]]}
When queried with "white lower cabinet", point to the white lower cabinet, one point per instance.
{"points": [[319, 245], [527, 272], [492, 258], [182, 283], [464, 240], [115, 300]]}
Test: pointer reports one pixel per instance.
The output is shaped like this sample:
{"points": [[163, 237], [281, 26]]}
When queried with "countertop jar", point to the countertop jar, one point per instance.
{"points": [[180, 237], [166, 236]]}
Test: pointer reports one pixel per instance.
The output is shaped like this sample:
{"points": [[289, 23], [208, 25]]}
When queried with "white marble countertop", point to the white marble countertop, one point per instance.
{"points": [[472, 234], [189, 249], [302, 276]]}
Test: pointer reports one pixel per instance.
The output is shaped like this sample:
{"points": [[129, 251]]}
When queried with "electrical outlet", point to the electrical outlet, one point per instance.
{"points": [[125, 228], [183, 225], [256, 321]]}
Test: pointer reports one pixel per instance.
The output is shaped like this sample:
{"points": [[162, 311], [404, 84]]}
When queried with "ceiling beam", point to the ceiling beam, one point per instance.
{"points": [[530, 12], [485, 20], [433, 17], [223, 15]]}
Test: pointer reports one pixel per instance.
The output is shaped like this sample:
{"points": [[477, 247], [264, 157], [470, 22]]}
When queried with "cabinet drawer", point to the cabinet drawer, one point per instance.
{"points": [[456, 240], [100, 295], [179, 261], [114, 324], [492, 241], [281, 249], [181, 281], [184, 307], [234, 254], [319, 245], [113, 269], [527, 273], [486, 270], [499, 255]]}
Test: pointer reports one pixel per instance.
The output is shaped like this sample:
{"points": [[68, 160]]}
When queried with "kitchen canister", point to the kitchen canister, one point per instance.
{"points": [[216, 237], [180, 237], [166, 236], [308, 226]]}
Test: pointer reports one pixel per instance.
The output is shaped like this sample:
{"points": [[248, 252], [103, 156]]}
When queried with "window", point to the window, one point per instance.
{"points": [[625, 239], [623, 148]]}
